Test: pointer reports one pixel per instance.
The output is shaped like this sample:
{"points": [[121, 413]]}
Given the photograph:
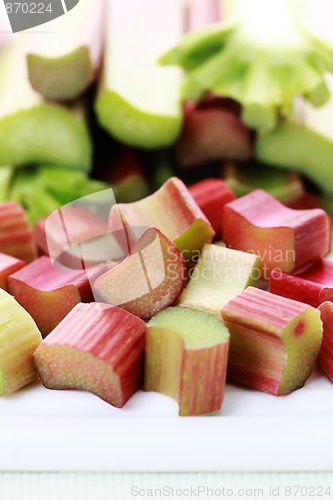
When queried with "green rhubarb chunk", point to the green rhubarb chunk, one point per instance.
{"points": [[32, 130], [6, 179], [220, 274], [261, 55], [298, 148], [186, 358], [282, 185], [138, 100]]}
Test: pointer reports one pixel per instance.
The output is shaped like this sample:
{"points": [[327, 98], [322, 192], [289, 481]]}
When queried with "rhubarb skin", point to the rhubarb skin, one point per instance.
{"points": [[149, 280], [200, 14], [274, 341], [63, 65], [19, 338], [283, 238], [96, 348], [49, 293], [325, 357], [186, 358], [16, 238], [312, 287], [173, 211], [212, 132], [211, 195], [220, 274], [8, 265]]}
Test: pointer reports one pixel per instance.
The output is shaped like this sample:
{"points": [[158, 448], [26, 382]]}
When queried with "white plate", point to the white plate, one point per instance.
{"points": [[42, 430]]}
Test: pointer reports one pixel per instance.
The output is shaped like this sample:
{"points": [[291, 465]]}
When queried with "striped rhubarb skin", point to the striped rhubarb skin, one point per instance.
{"points": [[274, 341], [325, 358], [211, 195], [186, 358], [283, 238], [8, 265], [97, 348], [313, 287], [16, 238], [49, 293]]}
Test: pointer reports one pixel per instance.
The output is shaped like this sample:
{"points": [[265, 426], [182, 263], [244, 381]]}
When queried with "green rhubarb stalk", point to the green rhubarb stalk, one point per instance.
{"points": [[63, 63], [138, 100], [261, 56], [31, 130]]}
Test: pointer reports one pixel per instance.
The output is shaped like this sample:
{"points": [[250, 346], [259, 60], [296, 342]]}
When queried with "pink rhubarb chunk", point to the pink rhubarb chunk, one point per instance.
{"points": [[16, 238], [49, 293], [274, 341], [313, 287], [325, 358], [96, 348], [290, 240], [8, 266]]}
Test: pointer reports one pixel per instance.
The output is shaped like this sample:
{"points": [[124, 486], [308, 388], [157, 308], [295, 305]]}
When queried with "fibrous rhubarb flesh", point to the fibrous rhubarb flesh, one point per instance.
{"points": [[173, 211], [62, 64], [186, 358], [96, 348], [313, 287], [220, 274], [49, 293], [150, 279], [19, 338], [274, 341], [283, 238]]}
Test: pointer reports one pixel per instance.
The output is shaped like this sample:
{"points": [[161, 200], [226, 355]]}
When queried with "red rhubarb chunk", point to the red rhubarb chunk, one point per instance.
{"points": [[325, 358], [313, 287], [8, 266], [96, 348], [211, 195], [291, 240], [16, 238]]}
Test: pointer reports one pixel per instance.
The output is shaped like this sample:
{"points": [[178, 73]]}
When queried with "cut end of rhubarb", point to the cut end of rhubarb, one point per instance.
{"points": [[96, 348], [186, 357], [149, 280], [19, 338], [274, 341]]}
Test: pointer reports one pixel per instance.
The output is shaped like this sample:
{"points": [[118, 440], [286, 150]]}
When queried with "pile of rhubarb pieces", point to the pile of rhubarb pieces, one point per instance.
{"points": [[169, 293]]}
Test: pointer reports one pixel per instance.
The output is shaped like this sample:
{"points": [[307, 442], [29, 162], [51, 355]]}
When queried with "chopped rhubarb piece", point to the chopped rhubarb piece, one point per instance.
{"points": [[139, 100], [325, 357], [48, 293], [212, 133], [19, 338], [284, 186], [16, 238], [186, 358], [274, 341], [288, 239], [220, 274], [96, 348], [8, 266], [173, 211], [313, 287], [200, 14], [211, 195], [63, 64], [149, 280]]}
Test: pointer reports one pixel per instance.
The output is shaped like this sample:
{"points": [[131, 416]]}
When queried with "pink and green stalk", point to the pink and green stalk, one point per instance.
{"points": [[186, 358], [96, 348], [49, 293], [313, 287], [283, 238], [274, 341], [173, 211], [325, 358]]}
